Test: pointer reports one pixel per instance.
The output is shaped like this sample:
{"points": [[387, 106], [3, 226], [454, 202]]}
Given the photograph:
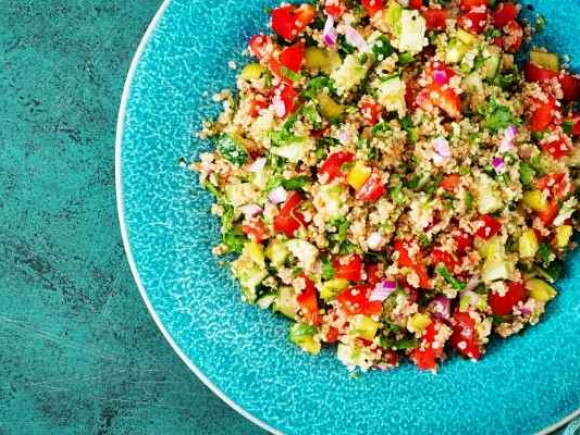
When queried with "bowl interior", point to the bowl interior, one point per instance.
{"points": [[522, 385]]}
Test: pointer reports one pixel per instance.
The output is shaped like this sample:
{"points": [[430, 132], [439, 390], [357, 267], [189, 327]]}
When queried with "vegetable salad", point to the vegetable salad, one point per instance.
{"points": [[393, 181]]}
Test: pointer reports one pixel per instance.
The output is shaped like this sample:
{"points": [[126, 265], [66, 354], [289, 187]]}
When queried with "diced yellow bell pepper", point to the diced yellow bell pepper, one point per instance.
{"points": [[545, 60], [363, 326], [563, 235], [315, 57], [536, 200], [540, 290], [528, 244], [329, 108], [252, 71], [331, 288], [358, 175], [255, 252], [418, 322], [466, 37]]}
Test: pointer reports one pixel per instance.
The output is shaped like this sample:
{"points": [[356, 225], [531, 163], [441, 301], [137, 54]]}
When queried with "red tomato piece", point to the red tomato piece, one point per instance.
{"points": [[435, 18], [464, 338], [404, 259], [289, 97], [293, 57], [332, 167], [503, 305], [514, 36], [423, 273], [331, 335], [463, 242], [558, 148], [425, 356], [256, 105], [371, 111], [467, 5], [504, 13], [450, 182], [490, 227], [308, 303], [373, 6], [349, 268], [355, 300], [537, 74], [415, 4], [443, 97], [558, 184], [288, 20], [374, 273], [335, 8], [439, 256], [544, 115], [256, 230], [473, 21], [373, 189], [547, 216], [261, 46], [570, 86], [289, 219]]}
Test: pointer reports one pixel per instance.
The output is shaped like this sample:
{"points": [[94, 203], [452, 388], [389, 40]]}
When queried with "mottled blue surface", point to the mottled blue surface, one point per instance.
{"points": [[522, 385]]}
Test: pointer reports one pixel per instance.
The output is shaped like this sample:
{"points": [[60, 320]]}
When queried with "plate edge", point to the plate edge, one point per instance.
{"points": [[125, 235]]}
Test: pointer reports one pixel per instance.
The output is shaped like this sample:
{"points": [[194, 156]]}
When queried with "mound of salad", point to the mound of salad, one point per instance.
{"points": [[393, 180]]}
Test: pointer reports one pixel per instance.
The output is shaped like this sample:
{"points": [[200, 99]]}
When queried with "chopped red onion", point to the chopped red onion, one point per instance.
{"points": [[382, 291], [525, 311], [356, 39], [279, 106], [277, 195], [257, 165], [442, 150], [440, 76], [507, 143], [441, 307], [329, 33], [498, 164], [251, 210]]}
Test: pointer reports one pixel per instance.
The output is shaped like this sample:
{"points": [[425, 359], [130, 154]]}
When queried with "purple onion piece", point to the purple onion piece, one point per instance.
{"points": [[257, 165], [251, 210], [498, 164], [440, 76], [329, 33], [382, 291], [355, 38], [441, 307], [277, 195]]}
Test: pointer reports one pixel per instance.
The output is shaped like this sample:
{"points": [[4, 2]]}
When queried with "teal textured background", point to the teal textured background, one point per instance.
{"points": [[78, 351]]}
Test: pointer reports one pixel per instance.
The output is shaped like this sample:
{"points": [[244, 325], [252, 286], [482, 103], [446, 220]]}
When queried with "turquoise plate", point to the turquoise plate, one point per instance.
{"points": [[523, 385]]}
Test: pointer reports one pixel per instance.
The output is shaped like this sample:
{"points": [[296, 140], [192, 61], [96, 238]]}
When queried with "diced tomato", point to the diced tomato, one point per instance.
{"points": [[293, 57], [390, 357], [463, 242], [374, 273], [256, 230], [349, 268], [355, 300], [439, 256], [537, 74], [373, 189], [473, 21], [544, 115], [332, 167], [490, 227], [335, 8], [558, 148], [289, 97], [547, 216], [373, 6], [504, 13], [331, 335], [256, 105], [261, 46], [404, 259], [425, 356], [559, 185], [288, 20], [289, 219], [450, 182], [443, 97], [308, 303], [570, 86], [415, 4], [503, 305], [513, 38], [423, 274], [467, 5], [371, 111], [435, 18], [464, 338]]}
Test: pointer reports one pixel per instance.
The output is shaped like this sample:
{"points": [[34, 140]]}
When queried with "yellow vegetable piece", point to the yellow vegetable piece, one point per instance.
{"points": [[255, 252], [363, 326], [528, 244], [466, 37], [277, 252], [546, 60], [540, 290], [536, 200], [563, 235], [418, 322], [315, 57], [358, 175], [252, 71], [329, 108], [333, 287]]}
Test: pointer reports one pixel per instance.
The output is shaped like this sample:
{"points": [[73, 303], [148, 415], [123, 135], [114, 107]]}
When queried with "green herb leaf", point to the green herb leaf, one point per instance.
{"points": [[295, 183], [382, 48], [231, 150], [447, 276], [327, 269]]}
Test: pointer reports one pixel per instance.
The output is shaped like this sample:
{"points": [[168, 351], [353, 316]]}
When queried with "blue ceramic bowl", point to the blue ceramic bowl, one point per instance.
{"points": [[523, 385]]}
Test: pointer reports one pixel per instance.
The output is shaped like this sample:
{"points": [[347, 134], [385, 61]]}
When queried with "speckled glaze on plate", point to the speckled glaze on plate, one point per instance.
{"points": [[523, 385]]}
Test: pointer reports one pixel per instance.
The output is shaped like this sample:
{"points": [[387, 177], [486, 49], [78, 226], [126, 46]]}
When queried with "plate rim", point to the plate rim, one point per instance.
{"points": [[120, 129]]}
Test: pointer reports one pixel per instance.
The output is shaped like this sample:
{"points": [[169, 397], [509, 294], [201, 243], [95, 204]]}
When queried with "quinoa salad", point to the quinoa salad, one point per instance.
{"points": [[398, 178]]}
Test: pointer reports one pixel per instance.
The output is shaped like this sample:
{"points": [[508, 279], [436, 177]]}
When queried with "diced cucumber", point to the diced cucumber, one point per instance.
{"points": [[540, 290], [527, 174], [302, 335], [294, 151], [528, 244], [494, 269], [492, 56], [455, 51], [363, 326], [474, 86], [332, 198], [489, 199], [412, 34], [329, 108], [332, 288], [250, 269], [285, 302], [304, 251], [277, 253], [392, 17], [467, 38], [349, 74], [546, 60], [391, 94], [252, 71]]}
